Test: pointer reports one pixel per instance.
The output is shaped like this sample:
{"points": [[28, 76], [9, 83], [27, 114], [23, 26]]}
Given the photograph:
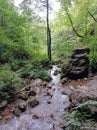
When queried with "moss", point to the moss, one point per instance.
{"points": [[24, 95], [33, 102]]}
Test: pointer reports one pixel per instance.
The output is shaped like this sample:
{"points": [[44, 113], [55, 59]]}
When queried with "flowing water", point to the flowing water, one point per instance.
{"points": [[48, 114]]}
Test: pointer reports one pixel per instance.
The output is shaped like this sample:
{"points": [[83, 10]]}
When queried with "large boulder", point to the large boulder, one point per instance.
{"points": [[78, 65]]}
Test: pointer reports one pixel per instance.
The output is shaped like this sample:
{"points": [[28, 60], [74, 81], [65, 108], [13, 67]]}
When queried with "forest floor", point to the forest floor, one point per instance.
{"points": [[54, 99]]}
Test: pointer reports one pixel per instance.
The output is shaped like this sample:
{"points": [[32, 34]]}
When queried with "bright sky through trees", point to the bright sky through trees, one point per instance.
{"points": [[55, 8]]}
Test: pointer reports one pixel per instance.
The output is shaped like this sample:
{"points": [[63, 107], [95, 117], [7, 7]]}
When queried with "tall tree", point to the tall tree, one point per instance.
{"points": [[48, 33]]}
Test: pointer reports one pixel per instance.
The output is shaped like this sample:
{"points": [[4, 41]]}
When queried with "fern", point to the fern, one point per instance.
{"points": [[80, 114]]}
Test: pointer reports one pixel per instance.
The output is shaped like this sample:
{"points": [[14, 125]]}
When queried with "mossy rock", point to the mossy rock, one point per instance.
{"points": [[64, 80], [24, 95], [17, 112], [33, 102], [32, 93], [56, 72], [22, 106]]}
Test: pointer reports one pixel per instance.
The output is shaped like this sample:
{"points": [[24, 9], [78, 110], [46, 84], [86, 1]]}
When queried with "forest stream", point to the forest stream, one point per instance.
{"points": [[48, 114], [48, 64]]}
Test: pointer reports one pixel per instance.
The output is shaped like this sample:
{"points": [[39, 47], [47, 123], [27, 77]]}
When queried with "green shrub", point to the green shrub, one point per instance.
{"points": [[9, 82]]}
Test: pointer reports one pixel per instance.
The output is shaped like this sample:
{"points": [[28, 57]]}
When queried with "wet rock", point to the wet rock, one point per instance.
{"points": [[48, 102], [8, 117], [56, 72], [33, 102], [22, 106], [64, 80], [32, 93], [24, 95], [44, 84], [48, 94], [35, 117], [3, 105], [16, 112], [64, 93], [28, 88]]}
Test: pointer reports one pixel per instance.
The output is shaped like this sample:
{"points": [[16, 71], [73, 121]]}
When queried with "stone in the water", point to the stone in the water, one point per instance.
{"points": [[22, 106], [49, 102], [35, 117], [16, 112], [33, 102], [56, 72], [32, 93], [64, 80], [24, 95]]}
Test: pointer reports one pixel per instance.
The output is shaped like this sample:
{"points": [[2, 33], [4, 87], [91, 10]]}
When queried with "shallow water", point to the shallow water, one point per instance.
{"points": [[48, 113]]}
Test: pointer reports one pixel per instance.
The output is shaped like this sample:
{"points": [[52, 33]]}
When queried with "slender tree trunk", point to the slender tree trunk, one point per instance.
{"points": [[48, 33]]}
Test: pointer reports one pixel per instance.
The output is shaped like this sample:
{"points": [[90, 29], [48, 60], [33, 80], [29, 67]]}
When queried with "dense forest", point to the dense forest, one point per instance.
{"points": [[30, 44]]}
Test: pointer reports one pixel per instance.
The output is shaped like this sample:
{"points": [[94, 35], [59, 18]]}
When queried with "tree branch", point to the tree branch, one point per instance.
{"points": [[92, 16], [75, 31]]}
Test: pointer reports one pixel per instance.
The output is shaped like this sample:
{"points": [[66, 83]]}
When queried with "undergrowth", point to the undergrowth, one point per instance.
{"points": [[82, 117], [9, 83], [35, 71]]}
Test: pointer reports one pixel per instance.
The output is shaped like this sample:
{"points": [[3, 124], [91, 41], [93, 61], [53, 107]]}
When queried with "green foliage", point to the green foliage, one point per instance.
{"points": [[80, 114], [71, 122], [92, 44], [20, 37], [35, 71], [9, 82], [65, 39], [42, 74]]}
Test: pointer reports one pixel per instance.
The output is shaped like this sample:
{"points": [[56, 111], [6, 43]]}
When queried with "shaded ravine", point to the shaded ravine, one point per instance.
{"points": [[48, 114]]}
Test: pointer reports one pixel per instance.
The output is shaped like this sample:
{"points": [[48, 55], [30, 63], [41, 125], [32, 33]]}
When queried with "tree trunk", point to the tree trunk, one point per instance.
{"points": [[48, 33]]}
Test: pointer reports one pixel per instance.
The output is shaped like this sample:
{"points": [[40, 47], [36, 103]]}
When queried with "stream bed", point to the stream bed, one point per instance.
{"points": [[48, 114]]}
